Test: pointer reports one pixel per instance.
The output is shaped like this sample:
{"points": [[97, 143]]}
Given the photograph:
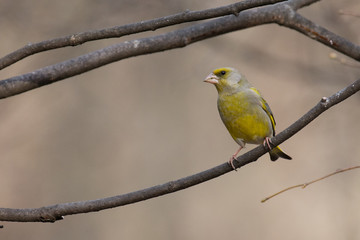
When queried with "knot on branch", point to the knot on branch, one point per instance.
{"points": [[75, 40], [324, 102], [49, 216]]}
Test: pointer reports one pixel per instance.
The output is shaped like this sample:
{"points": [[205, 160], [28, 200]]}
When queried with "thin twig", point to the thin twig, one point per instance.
{"points": [[304, 185]]}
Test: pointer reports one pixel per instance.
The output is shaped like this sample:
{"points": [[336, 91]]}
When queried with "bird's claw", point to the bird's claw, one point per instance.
{"points": [[231, 162], [267, 142]]}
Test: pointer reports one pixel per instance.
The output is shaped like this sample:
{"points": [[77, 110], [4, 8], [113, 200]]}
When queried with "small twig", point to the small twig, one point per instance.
{"points": [[304, 185]]}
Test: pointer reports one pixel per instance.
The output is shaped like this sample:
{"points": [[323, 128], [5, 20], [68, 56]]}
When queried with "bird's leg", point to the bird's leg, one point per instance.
{"points": [[267, 142], [231, 161]]}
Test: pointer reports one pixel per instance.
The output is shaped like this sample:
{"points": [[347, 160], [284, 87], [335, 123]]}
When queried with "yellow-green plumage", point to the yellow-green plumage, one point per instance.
{"points": [[244, 112], [245, 121]]}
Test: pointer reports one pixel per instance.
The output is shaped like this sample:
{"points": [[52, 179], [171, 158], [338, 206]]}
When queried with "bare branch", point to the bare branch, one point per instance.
{"points": [[280, 13], [56, 212], [304, 185], [320, 34], [119, 31]]}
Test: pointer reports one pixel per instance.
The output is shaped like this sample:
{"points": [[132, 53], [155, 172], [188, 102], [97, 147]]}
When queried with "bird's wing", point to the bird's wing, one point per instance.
{"points": [[265, 106]]}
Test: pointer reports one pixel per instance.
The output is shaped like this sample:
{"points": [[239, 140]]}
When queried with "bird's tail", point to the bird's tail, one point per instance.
{"points": [[276, 152]]}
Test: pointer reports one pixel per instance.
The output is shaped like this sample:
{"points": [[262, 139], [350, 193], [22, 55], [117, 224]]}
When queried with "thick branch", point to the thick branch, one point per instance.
{"points": [[56, 212], [280, 13], [143, 26]]}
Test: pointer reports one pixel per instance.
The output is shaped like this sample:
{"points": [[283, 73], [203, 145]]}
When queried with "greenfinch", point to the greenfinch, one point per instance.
{"points": [[243, 110]]}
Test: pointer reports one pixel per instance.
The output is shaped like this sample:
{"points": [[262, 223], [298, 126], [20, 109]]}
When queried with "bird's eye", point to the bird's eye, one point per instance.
{"points": [[223, 72]]}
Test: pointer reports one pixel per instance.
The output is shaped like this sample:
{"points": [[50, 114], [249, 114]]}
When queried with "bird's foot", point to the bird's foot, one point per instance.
{"points": [[231, 162], [267, 142], [233, 158]]}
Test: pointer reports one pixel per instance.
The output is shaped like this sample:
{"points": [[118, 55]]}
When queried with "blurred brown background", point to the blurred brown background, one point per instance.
{"points": [[150, 119]]}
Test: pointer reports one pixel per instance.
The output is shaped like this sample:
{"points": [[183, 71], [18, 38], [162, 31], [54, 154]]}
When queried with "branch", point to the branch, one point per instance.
{"points": [[57, 212], [320, 34], [304, 185], [281, 13], [116, 32]]}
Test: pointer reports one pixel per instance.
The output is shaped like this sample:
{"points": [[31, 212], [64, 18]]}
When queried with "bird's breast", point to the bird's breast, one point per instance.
{"points": [[244, 119]]}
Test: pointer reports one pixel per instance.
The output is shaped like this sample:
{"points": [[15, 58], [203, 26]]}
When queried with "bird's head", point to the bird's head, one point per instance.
{"points": [[227, 79]]}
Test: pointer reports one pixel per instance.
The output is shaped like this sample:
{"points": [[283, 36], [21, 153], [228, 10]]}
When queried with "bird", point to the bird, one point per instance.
{"points": [[244, 112]]}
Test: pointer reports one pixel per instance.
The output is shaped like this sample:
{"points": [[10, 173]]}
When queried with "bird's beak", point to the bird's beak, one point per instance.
{"points": [[212, 78]]}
